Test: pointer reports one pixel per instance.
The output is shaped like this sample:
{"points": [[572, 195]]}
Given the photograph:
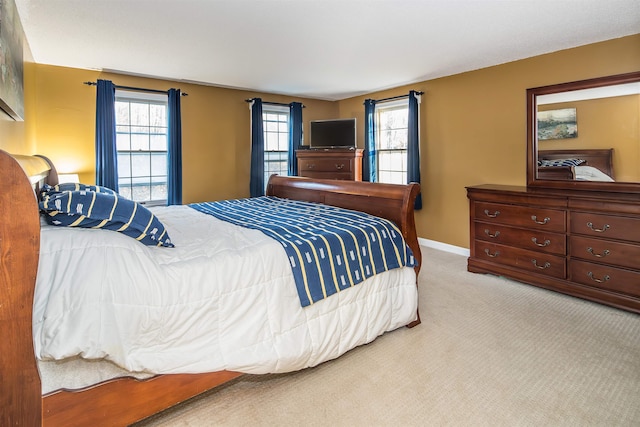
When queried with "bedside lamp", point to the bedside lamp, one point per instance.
{"points": [[68, 177]]}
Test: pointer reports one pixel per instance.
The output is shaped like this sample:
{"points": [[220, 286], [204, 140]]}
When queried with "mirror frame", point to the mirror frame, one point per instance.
{"points": [[532, 137]]}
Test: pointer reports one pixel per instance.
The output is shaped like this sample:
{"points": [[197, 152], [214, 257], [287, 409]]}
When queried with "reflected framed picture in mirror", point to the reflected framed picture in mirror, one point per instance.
{"points": [[557, 124]]}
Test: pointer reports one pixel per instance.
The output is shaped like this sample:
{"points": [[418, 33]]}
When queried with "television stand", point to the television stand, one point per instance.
{"points": [[330, 163]]}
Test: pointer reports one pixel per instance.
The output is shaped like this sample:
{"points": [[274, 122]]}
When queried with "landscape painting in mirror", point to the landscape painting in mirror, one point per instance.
{"points": [[557, 124]]}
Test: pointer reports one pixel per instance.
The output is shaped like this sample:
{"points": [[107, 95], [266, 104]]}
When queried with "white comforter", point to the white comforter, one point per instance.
{"points": [[589, 173], [223, 298]]}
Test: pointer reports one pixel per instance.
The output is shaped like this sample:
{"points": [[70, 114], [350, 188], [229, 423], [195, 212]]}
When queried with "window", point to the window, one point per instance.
{"points": [[141, 142], [392, 119], [275, 120]]}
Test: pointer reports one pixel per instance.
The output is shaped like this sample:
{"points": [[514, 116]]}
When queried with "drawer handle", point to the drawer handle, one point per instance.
{"points": [[486, 251], [547, 242], [541, 267], [340, 166], [602, 255], [598, 230], [491, 215], [488, 233], [311, 166], [543, 222], [604, 279]]}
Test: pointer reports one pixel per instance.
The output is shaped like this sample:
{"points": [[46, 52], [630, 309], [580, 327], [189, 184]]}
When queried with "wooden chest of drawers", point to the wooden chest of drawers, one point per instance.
{"points": [[583, 245], [330, 163]]}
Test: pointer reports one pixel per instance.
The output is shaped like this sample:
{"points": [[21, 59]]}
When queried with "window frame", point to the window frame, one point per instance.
{"points": [[379, 109], [283, 155], [149, 99]]}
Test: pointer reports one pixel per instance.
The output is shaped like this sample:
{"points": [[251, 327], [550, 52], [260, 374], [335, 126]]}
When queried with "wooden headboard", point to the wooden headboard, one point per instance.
{"points": [[39, 169], [20, 389], [601, 159]]}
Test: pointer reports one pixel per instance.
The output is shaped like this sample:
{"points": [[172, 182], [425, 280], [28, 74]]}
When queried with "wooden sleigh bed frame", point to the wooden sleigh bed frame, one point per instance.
{"points": [[125, 400]]}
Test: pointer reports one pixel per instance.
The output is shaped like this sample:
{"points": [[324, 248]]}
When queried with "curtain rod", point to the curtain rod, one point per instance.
{"points": [[397, 97], [139, 89], [271, 103]]}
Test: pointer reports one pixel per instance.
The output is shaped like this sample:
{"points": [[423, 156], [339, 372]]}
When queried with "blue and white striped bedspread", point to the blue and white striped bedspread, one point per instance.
{"points": [[329, 248]]}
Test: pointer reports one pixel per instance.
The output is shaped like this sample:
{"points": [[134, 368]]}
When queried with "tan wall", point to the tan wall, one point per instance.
{"points": [[473, 127], [215, 128]]}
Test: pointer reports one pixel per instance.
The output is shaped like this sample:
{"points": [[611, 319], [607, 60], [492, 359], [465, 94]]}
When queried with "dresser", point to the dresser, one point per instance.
{"points": [[330, 163], [579, 243]]}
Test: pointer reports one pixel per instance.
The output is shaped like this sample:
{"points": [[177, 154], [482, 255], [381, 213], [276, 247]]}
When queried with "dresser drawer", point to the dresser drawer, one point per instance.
{"points": [[533, 261], [538, 240], [604, 277], [326, 175], [605, 251], [605, 226], [521, 216], [325, 165]]}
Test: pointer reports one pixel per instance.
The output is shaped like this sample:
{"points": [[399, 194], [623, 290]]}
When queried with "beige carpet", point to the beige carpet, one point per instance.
{"points": [[489, 352]]}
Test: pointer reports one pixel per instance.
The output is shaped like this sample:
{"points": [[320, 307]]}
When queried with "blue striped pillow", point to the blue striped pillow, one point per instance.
{"points": [[560, 162], [91, 209]]}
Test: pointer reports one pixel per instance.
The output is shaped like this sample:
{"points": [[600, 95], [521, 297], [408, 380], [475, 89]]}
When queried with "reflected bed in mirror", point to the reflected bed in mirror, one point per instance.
{"points": [[597, 147], [579, 165]]}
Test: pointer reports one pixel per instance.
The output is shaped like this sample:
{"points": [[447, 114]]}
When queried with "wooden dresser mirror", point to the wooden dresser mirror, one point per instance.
{"points": [[602, 130]]}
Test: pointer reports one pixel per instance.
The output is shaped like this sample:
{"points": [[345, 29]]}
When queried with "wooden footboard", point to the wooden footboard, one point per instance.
{"points": [[390, 201], [556, 172], [126, 400]]}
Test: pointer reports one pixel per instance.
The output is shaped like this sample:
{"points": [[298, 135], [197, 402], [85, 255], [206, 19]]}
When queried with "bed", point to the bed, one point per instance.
{"points": [[580, 165], [125, 400]]}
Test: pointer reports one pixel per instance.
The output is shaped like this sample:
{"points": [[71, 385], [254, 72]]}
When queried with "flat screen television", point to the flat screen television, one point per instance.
{"points": [[337, 133]]}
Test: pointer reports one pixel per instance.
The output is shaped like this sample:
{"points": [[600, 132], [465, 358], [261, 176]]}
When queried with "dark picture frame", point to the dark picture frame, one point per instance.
{"points": [[11, 61]]}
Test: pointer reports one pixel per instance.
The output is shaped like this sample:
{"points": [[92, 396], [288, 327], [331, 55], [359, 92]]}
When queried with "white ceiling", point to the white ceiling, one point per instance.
{"points": [[326, 49]]}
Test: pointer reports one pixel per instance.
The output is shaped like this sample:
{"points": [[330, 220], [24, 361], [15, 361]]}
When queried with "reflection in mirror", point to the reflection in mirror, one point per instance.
{"points": [[597, 118], [585, 134]]}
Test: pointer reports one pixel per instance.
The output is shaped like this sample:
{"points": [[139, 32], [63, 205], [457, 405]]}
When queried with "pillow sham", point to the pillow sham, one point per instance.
{"points": [[561, 162], [71, 186], [91, 209]]}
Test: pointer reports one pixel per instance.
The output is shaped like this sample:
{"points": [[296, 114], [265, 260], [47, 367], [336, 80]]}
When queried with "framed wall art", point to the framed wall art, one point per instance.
{"points": [[11, 61]]}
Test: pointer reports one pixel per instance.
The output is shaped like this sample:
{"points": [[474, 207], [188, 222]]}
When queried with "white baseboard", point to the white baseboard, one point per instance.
{"points": [[443, 247]]}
